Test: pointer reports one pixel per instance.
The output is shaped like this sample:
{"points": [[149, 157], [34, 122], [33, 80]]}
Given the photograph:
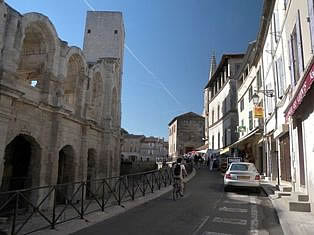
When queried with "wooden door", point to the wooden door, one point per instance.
{"points": [[285, 160]]}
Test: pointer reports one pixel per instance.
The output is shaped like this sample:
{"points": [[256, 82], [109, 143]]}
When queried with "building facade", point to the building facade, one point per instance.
{"points": [[250, 128], [186, 133], [153, 149], [131, 147], [60, 111], [221, 106], [284, 57], [137, 148], [299, 111]]}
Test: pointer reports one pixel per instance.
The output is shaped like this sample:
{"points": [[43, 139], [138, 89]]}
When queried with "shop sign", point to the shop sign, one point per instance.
{"points": [[302, 92], [258, 112]]}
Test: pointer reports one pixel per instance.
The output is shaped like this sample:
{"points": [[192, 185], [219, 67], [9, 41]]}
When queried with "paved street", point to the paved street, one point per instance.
{"points": [[205, 209]]}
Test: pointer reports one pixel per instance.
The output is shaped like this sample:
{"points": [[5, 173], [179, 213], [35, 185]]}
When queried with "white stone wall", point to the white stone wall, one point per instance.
{"points": [[290, 22], [309, 151]]}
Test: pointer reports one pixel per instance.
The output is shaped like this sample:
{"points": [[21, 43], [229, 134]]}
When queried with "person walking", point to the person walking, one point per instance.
{"points": [[179, 173], [211, 162]]}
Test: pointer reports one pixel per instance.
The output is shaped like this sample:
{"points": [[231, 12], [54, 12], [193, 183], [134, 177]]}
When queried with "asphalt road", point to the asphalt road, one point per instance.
{"points": [[204, 210]]}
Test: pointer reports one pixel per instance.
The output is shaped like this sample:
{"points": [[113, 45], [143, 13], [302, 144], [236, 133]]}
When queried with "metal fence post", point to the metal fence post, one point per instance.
{"points": [[133, 191], [144, 185], [152, 182], [158, 180], [119, 192], [16, 207], [54, 208], [82, 200], [103, 196]]}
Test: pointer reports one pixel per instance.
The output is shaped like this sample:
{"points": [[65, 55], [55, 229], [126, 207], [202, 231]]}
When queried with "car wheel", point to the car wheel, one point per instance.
{"points": [[226, 189]]}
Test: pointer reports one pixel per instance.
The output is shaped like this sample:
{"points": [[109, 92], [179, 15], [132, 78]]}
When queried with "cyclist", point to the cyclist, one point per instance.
{"points": [[179, 173]]}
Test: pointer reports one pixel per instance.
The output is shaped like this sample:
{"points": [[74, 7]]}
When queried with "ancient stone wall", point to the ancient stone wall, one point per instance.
{"points": [[67, 110]]}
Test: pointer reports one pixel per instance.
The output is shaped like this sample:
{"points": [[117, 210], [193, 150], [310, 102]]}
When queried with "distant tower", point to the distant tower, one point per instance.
{"points": [[104, 35], [212, 67]]}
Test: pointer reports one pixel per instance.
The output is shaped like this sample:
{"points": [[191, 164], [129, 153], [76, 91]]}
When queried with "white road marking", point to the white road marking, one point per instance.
{"points": [[230, 221], [236, 195], [254, 219], [228, 209], [203, 221], [214, 233]]}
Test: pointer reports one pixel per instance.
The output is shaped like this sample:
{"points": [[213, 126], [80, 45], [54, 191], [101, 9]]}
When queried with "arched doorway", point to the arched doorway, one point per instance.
{"points": [[91, 172], [21, 164], [66, 170]]}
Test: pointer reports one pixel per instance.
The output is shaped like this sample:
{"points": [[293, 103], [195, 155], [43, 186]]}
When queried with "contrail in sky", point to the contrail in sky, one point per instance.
{"points": [[143, 65], [89, 5], [153, 75]]}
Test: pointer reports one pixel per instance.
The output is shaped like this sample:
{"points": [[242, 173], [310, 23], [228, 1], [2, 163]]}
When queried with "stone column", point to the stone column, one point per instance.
{"points": [[83, 156], [4, 124]]}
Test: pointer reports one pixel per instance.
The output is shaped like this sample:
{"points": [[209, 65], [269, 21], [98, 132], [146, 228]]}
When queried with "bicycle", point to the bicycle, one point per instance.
{"points": [[176, 191]]}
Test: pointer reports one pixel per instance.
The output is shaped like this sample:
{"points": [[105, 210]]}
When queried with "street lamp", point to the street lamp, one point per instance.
{"points": [[255, 97]]}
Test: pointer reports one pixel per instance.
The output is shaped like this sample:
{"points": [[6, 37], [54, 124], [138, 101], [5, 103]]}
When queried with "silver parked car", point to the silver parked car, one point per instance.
{"points": [[242, 174]]}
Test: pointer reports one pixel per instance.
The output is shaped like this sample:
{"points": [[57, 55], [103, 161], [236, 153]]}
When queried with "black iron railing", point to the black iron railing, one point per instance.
{"points": [[30, 210]]}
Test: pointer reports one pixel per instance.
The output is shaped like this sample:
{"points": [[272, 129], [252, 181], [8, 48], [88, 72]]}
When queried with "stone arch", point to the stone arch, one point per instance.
{"points": [[96, 96], [91, 172], [74, 80], [21, 163], [38, 49], [66, 173]]}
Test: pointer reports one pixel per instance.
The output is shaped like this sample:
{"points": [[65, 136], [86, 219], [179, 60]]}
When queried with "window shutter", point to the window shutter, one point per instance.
{"points": [[276, 26], [269, 101], [299, 43], [282, 76], [250, 120], [311, 15], [291, 61]]}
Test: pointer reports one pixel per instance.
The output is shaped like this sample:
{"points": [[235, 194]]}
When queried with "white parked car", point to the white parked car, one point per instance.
{"points": [[242, 174]]}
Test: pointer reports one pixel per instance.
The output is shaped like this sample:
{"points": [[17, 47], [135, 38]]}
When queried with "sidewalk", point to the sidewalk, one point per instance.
{"points": [[91, 219], [292, 223]]}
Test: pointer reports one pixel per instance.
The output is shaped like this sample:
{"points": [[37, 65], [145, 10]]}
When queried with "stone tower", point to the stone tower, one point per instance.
{"points": [[104, 36], [212, 67]]}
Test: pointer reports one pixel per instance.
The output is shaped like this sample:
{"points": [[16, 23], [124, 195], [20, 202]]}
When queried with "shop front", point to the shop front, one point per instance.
{"points": [[250, 149], [300, 116]]}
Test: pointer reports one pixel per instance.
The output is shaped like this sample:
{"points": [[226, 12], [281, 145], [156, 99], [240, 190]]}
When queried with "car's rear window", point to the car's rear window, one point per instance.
{"points": [[239, 167]]}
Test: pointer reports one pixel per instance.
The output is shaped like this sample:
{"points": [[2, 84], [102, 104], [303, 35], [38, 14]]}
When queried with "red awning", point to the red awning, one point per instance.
{"points": [[304, 88]]}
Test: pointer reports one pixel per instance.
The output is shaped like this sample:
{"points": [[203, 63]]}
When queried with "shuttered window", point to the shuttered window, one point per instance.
{"points": [[296, 52], [276, 26], [311, 15], [259, 79], [280, 77], [250, 120], [242, 104]]}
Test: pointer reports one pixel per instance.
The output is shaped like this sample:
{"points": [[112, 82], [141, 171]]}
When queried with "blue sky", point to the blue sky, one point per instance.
{"points": [[173, 39]]}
